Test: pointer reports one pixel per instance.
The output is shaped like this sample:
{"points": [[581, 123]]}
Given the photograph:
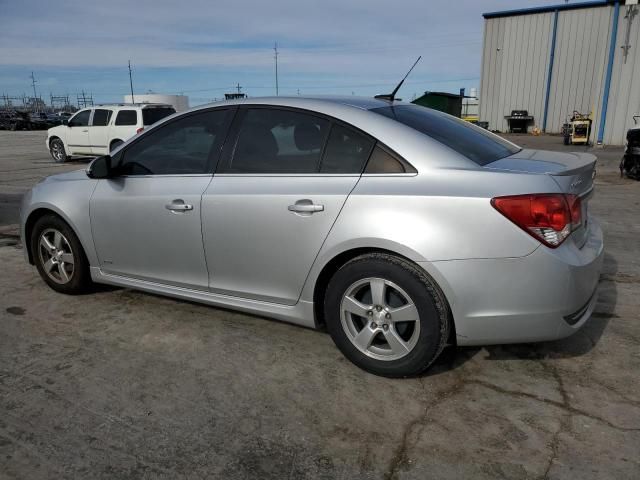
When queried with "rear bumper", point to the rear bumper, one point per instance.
{"points": [[546, 295]]}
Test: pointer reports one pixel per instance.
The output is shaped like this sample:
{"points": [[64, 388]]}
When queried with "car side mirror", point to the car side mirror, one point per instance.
{"points": [[100, 168], [65, 121]]}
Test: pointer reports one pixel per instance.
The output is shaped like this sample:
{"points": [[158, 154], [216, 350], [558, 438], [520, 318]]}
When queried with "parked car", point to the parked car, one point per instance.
{"points": [[399, 228], [15, 120], [100, 129]]}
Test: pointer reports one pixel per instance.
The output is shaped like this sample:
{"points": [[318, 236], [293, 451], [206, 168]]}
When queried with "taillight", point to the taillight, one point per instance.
{"points": [[549, 218], [139, 130]]}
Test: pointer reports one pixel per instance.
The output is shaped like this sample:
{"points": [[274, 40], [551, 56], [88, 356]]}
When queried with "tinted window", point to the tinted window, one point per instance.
{"points": [[183, 146], [127, 117], [469, 140], [152, 115], [81, 119], [346, 152], [382, 161], [101, 117], [279, 141]]}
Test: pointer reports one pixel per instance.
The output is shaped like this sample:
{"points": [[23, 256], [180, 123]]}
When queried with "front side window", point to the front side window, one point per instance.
{"points": [[127, 117], [278, 141], [81, 119], [183, 146], [473, 142], [346, 152], [101, 117]]}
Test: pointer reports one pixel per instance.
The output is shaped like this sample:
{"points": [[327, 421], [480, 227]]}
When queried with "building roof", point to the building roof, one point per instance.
{"points": [[549, 8]]}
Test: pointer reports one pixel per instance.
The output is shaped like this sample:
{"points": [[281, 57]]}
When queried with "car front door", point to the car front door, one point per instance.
{"points": [[78, 133], [146, 220], [279, 188], [99, 131]]}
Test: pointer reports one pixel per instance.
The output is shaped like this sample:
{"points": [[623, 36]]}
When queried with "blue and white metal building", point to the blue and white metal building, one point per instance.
{"points": [[556, 59]]}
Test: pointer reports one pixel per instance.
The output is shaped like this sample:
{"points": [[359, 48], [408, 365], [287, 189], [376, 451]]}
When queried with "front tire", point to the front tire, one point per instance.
{"points": [[59, 257], [386, 315], [58, 153]]}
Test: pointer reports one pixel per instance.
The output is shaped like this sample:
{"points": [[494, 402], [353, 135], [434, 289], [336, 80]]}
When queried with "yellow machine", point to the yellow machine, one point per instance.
{"points": [[577, 130]]}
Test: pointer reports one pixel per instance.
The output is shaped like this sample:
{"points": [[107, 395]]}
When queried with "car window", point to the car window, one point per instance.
{"points": [[346, 152], [101, 117], [278, 141], [469, 140], [127, 117], [183, 146], [152, 115], [81, 119], [383, 161]]}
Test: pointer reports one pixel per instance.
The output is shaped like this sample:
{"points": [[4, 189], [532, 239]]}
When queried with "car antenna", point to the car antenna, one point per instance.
{"points": [[392, 96]]}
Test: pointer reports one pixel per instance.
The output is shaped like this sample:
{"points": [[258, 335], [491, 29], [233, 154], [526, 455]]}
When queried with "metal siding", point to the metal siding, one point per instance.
{"points": [[580, 32], [514, 77], [624, 97]]}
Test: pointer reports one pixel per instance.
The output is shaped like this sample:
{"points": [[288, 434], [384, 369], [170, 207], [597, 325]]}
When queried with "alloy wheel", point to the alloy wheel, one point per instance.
{"points": [[380, 319], [57, 151], [56, 256]]}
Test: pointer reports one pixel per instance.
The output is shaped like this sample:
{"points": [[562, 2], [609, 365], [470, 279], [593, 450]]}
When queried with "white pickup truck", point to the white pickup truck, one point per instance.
{"points": [[101, 128]]}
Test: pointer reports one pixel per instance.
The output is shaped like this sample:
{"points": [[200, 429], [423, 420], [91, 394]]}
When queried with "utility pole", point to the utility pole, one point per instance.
{"points": [[33, 84], [131, 83], [238, 87], [275, 56]]}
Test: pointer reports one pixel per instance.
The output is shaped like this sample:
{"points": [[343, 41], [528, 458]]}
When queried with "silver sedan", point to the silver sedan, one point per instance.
{"points": [[397, 228]]}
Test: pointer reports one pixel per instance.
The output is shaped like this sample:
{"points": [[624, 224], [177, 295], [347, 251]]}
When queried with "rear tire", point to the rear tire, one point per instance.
{"points": [[386, 315], [58, 153], [59, 256]]}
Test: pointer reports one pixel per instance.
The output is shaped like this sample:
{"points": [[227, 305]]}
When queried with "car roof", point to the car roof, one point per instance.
{"points": [[363, 103], [129, 105]]}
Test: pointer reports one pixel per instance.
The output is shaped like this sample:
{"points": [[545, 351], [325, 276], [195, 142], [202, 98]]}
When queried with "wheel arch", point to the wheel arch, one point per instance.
{"points": [[335, 263], [114, 141], [31, 220]]}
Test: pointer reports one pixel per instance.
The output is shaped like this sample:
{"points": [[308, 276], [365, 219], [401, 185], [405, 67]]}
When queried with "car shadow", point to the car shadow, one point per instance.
{"points": [[581, 343]]}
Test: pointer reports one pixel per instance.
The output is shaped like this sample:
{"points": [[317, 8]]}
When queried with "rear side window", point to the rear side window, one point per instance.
{"points": [[347, 151], [127, 117], [101, 117], [278, 141], [383, 161], [469, 140], [153, 115]]}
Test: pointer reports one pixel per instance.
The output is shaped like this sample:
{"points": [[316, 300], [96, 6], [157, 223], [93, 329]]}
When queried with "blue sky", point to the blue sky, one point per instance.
{"points": [[203, 48]]}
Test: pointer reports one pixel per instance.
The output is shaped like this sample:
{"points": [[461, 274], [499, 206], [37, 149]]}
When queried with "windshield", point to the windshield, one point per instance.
{"points": [[152, 115], [469, 140]]}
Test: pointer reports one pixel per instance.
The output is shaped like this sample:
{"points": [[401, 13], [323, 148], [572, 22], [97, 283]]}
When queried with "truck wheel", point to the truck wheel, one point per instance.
{"points": [[56, 148]]}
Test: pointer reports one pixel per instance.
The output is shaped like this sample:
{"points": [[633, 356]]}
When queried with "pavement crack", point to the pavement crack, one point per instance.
{"points": [[548, 401], [400, 458], [565, 424]]}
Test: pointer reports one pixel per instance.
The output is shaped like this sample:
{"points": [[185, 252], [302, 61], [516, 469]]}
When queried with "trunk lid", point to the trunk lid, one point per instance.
{"points": [[573, 172]]}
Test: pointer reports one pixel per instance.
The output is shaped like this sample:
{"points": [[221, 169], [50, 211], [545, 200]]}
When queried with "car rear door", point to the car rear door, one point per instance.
{"points": [[282, 181], [99, 131], [125, 125], [78, 133], [146, 220]]}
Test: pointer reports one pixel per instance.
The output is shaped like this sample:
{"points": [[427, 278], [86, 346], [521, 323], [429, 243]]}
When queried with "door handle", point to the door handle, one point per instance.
{"points": [[178, 206], [305, 206], [85, 131]]}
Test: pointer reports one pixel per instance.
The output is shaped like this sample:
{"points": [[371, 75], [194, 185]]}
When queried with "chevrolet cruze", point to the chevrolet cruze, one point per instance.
{"points": [[397, 228]]}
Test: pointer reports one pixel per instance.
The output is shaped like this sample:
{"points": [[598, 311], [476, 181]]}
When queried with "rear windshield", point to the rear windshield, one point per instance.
{"points": [[469, 140], [152, 115]]}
